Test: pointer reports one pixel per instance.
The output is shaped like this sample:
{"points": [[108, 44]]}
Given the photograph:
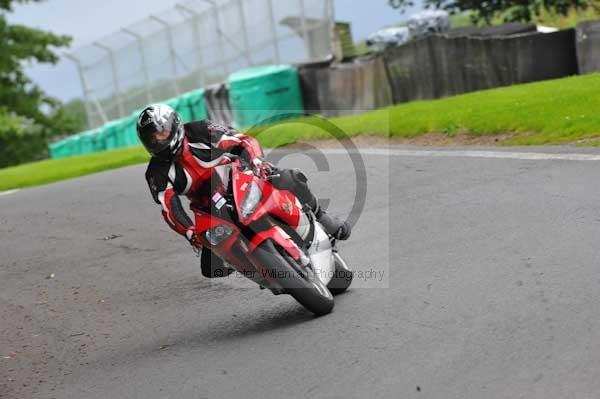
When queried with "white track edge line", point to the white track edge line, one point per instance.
{"points": [[531, 156], [7, 192]]}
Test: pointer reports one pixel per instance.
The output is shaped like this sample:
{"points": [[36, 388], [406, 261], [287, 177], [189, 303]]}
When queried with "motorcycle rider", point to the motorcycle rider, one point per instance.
{"points": [[183, 160]]}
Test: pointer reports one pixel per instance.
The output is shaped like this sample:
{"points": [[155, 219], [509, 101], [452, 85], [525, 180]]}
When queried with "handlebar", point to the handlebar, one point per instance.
{"points": [[266, 171]]}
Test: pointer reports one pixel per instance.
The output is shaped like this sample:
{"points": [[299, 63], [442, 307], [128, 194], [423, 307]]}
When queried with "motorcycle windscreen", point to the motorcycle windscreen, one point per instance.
{"points": [[248, 195]]}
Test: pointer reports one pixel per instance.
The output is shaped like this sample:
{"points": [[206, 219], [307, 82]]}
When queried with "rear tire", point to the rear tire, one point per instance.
{"points": [[298, 281], [343, 276]]}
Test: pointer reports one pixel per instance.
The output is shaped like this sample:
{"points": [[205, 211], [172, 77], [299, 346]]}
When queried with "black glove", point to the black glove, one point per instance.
{"points": [[263, 168]]}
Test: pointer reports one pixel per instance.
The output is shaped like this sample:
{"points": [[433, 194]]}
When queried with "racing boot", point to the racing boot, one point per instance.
{"points": [[334, 226]]}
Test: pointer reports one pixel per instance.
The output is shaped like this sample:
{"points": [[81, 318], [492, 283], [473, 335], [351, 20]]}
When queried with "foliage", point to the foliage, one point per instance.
{"points": [[461, 20], [39, 115], [571, 18], [12, 137], [510, 10], [545, 17], [6, 5], [70, 118]]}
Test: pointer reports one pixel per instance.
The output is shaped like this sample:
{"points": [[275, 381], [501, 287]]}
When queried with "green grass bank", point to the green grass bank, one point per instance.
{"points": [[562, 111]]}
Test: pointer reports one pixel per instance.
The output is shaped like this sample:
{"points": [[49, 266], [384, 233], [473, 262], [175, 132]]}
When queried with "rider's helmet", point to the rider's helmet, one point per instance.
{"points": [[160, 130]]}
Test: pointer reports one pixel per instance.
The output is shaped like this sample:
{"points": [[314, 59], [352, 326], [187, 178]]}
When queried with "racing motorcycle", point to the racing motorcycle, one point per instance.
{"points": [[268, 236]]}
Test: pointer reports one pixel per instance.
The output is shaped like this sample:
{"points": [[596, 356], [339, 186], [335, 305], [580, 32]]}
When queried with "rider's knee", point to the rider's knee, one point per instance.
{"points": [[298, 176], [289, 179]]}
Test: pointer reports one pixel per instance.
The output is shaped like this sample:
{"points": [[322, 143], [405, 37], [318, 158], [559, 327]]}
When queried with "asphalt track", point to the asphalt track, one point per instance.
{"points": [[489, 288]]}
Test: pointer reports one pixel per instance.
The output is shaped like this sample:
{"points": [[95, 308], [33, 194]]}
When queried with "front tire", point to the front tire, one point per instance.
{"points": [[298, 281]]}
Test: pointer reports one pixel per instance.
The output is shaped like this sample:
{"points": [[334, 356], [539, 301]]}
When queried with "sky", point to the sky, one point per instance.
{"points": [[87, 21]]}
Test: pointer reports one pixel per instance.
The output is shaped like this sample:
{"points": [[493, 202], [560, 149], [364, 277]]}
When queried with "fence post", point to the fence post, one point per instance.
{"points": [[171, 50], [244, 32], [84, 87], [274, 31], [330, 13], [215, 12], [222, 34], [113, 65], [304, 29], [140, 42], [195, 17]]}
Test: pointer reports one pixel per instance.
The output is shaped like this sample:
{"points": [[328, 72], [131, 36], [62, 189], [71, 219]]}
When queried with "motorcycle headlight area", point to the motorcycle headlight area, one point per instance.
{"points": [[251, 201], [218, 234]]}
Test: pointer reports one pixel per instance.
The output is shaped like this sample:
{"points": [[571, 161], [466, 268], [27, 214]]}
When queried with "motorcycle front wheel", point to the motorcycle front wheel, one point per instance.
{"points": [[298, 281]]}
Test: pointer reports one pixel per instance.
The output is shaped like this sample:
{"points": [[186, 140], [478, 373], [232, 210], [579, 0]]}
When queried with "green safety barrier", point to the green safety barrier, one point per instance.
{"points": [[182, 108], [265, 93], [122, 132], [66, 147], [110, 134], [194, 100], [91, 141], [256, 94], [128, 130]]}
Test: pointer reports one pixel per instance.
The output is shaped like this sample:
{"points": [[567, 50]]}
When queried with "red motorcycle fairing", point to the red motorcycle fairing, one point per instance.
{"points": [[206, 221], [225, 249], [276, 234], [279, 203]]}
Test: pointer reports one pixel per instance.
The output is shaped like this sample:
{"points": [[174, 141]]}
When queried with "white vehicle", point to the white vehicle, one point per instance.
{"points": [[389, 37], [428, 22]]}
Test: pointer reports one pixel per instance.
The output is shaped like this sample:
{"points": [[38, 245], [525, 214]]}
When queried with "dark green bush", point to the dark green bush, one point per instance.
{"points": [[18, 145]]}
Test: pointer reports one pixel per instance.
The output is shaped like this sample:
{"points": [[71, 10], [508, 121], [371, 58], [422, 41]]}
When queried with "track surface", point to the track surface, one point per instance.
{"points": [[490, 290]]}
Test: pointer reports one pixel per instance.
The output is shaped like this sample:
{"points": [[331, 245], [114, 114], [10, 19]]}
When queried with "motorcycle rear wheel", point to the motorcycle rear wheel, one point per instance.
{"points": [[298, 281]]}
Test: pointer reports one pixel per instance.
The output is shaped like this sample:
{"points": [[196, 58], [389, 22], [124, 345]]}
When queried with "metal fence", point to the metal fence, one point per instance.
{"points": [[196, 44]]}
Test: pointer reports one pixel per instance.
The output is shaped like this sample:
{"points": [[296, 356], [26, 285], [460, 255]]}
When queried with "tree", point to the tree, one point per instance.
{"points": [[69, 117], [19, 44], [485, 11], [28, 117]]}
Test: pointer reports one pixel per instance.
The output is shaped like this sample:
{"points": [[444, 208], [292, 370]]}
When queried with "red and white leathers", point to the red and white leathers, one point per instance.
{"points": [[192, 171]]}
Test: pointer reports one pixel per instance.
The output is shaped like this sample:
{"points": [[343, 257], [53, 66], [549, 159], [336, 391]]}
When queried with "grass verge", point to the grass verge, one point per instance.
{"points": [[551, 112], [559, 111], [51, 170]]}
